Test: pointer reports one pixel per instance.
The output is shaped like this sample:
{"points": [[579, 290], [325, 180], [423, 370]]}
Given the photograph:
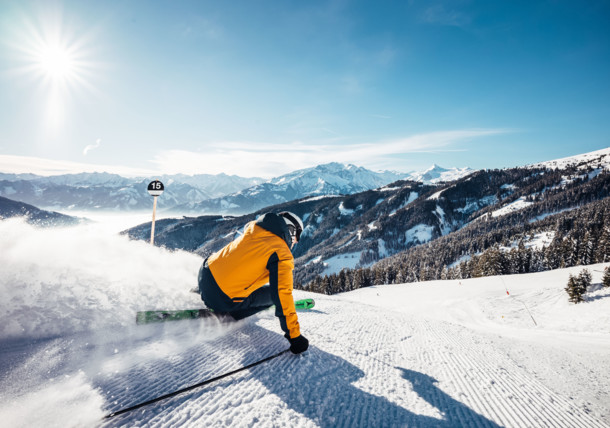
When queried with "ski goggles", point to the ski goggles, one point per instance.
{"points": [[293, 233]]}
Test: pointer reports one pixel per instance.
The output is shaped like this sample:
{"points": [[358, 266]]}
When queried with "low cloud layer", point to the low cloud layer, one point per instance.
{"points": [[254, 159], [269, 160]]}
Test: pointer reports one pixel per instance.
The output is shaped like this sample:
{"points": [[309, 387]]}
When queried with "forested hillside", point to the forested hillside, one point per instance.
{"points": [[493, 221], [34, 215]]}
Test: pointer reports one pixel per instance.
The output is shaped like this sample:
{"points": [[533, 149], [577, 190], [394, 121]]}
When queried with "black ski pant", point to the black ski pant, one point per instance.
{"points": [[214, 298]]}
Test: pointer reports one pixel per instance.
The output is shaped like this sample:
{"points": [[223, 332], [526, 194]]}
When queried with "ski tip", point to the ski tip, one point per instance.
{"points": [[304, 304]]}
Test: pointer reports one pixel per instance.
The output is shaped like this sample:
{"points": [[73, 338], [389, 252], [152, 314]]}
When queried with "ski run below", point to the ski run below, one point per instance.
{"points": [[433, 354]]}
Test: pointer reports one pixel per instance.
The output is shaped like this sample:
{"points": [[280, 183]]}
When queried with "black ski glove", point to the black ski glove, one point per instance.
{"points": [[298, 344]]}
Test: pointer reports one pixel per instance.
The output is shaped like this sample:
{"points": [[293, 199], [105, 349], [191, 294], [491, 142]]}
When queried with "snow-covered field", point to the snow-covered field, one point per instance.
{"points": [[437, 354]]}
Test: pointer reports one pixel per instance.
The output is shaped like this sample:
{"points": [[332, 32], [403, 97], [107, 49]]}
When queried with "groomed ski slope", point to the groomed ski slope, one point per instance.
{"points": [[435, 354]]}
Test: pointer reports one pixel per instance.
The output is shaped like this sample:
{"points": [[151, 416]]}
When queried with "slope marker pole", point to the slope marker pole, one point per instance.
{"points": [[152, 227], [155, 188]]}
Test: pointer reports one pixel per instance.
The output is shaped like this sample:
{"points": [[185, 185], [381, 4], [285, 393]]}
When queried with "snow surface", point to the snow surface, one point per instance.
{"points": [[434, 354], [536, 242], [345, 211], [420, 233], [435, 196], [336, 264], [437, 174], [514, 206], [412, 197], [598, 157]]}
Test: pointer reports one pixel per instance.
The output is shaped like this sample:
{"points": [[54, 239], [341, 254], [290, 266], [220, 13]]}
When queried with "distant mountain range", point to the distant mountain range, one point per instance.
{"points": [[414, 231], [111, 192], [515, 220], [329, 179], [203, 194]]}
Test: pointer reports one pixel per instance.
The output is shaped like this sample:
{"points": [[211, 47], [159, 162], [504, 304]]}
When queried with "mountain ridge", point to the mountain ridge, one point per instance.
{"points": [[327, 179], [200, 194], [355, 231]]}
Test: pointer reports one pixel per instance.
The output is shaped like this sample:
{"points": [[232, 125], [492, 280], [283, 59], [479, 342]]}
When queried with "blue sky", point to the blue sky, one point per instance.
{"points": [[261, 88]]}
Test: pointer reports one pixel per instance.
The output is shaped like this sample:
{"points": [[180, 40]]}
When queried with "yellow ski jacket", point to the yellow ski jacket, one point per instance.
{"points": [[260, 256]]}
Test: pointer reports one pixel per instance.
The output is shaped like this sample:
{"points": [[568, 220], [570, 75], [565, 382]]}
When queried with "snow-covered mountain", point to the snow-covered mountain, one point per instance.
{"points": [[329, 179], [203, 193], [437, 174], [213, 185], [16, 177], [111, 192], [333, 178], [437, 354], [597, 159], [458, 221], [322, 180]]}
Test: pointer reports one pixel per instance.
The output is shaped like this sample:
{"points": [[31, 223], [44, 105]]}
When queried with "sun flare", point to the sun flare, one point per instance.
{"points": [[57, 56], [56, 62], [47, 48]]}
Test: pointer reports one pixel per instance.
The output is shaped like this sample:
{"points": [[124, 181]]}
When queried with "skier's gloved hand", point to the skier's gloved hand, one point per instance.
{"points": [[298, 344]]}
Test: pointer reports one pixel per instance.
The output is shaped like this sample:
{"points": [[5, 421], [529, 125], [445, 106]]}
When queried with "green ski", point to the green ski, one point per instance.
{"points": [[304, 304], [147, 317]]}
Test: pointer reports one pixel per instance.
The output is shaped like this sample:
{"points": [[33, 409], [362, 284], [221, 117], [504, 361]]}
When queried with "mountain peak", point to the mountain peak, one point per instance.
{"points": [[437, 173], [435, 167]]}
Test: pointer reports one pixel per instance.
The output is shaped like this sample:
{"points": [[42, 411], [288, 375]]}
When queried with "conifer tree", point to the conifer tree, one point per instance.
{"points": [[588, 249], [604, 246], [575, 290], [585, 279], [342, 281], [606, 278]]}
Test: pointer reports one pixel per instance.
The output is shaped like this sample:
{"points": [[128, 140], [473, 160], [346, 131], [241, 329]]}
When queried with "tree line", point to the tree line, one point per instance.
{"points": [[579, 237]]}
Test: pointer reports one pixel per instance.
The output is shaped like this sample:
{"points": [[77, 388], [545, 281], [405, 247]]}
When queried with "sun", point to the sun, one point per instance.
{"points": [[53, 52], [56, 62], [47, 48]]}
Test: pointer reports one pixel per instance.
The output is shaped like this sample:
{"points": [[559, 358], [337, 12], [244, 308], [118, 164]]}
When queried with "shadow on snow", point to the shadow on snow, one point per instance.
{"points": [[320, 386], [317, 384]]}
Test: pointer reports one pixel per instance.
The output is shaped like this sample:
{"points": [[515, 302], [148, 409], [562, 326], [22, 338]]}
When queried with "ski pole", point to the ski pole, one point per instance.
{"points": [[189, 388]]}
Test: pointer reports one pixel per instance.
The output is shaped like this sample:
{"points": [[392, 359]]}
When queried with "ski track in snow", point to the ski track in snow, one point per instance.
{"points": [[437, 354], [365, 367]]}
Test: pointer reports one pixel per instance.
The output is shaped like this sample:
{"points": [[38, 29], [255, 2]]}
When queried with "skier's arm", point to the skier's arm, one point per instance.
{"points": [[280, 281]]}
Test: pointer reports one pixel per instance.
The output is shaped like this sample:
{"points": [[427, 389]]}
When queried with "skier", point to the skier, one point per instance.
{"points": [[254, 272]]}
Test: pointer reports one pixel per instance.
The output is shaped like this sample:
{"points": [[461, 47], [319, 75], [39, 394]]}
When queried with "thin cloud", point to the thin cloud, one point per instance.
{"points": [[439, 15], [199, 27], [252, 159], [11, 164], [386, 56], [270, 160], [92, 146]]}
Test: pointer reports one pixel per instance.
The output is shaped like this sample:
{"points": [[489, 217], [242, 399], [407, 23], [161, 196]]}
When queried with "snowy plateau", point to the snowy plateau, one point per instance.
{"points": [[496, 351]]}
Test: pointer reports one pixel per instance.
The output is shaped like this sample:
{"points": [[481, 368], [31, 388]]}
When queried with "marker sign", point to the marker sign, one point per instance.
{"points": [[155, 188]]}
